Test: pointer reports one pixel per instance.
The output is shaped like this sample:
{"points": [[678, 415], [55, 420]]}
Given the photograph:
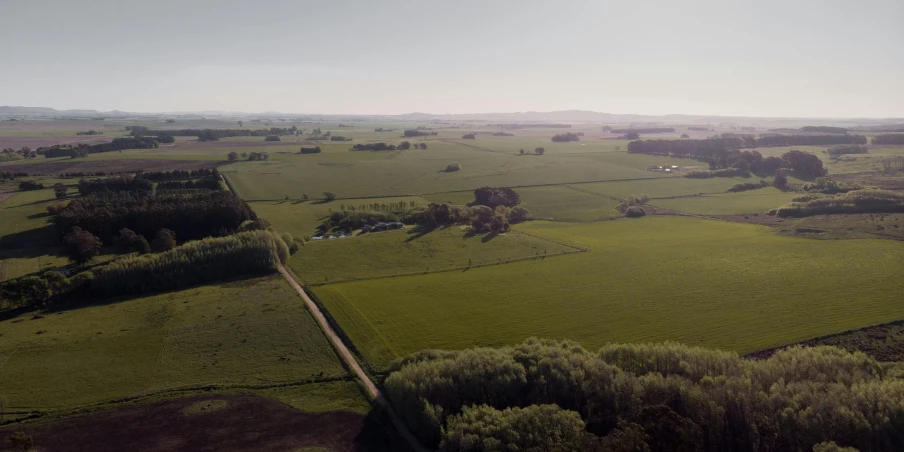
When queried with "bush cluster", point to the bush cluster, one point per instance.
{"points": [[855, 201]]}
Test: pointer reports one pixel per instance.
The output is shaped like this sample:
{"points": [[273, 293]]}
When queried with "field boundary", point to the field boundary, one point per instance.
{"points": [[375, 394]]}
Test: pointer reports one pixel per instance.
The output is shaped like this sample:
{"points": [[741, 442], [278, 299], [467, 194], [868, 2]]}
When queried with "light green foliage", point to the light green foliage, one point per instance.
{"points": [[702, 282], [406, 252], [251, 332]]}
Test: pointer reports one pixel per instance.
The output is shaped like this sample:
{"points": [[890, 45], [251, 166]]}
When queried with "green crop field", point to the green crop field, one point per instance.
{"points": [[404, 252], [753, 201], [703, 282], [246, 333], [567, 203]]}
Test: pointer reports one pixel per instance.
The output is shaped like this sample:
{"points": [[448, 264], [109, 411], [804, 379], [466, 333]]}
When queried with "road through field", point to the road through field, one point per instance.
{"points": [[347, 356]]}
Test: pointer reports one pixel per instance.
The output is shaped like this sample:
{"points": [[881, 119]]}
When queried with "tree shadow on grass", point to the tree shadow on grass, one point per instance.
{"points": [[418, 232]]}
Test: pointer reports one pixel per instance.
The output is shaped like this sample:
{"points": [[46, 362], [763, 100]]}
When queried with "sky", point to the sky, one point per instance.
{"points": [[789, 58]]}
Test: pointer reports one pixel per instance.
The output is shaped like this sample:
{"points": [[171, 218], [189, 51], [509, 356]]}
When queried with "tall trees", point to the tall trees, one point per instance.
{"points": [[564, 137], [81, 245], [165, 240], [60, 190], [493, 197]]}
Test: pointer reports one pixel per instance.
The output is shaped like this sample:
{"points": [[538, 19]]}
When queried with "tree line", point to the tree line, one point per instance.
{"points": [[556, 395], [842, 149], [121, 183], [374, 147], [23, 153], [82, 150], [888, 138], [645, 130], [853, 201], [192, 217], [213, 134], [565, 137]]}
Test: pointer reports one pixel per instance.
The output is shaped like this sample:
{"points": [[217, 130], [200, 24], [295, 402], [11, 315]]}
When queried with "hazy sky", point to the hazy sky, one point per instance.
{"points": [[822, 58]]}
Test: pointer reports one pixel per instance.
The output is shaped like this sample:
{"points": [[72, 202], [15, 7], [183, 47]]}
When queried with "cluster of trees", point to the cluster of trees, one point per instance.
{"points": [[565, 137], [537, 151], [481, 218], [469, 136], [411, 133], [348, 220], [748, 186], [28, 185], [272, 138], [82, 150], [10, 154], [828, 186], [179, 174], [374, 147], [555, 395], [197, 262], [314, 150], [709, 148], [888, 138], [10, 175], [808, 140], [530, 126], [631, 206], [192, 217], [735, 162], [645, 130], [258, 157], [339, 138], [90, 132], [121, 183], [854, 201], [842, 149], [452, 167], [496, 196]]}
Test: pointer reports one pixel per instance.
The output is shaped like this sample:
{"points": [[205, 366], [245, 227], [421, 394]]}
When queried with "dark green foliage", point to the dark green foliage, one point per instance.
{"points": [[81, 245], [180, 174], [540, 151], [856, 201], [348, 220], [198, 262], [804, 164], [666, 396], [207, 184], [404, 146], [503, 134], [166, 139], [808, 140], [28, 185], [190, 216], [314, 150], [888, 138], [374, 147], [781, 180], [339, 138], [630, 136], [90, 132], [258, 224], [699, 174], [452, 167], [60, 190], [121, 183], [232, 156], [645, 130], [411, 133], [823, 129], [258, 157], [82, 149], [635, 212], [165, 240], [130, 242], [630, 206], [272, 138], [492, 197], [731, 172], [565, 137], [329, 196], [842, 149], [469, 136], [215, 134], [828, 186], [748, 186]]}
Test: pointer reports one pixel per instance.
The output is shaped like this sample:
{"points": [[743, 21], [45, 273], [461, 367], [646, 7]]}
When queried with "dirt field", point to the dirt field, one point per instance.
{"points": [[215, 423], [107, 166]]}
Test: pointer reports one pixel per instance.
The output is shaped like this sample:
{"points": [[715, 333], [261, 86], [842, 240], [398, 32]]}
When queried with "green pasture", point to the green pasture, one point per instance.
{"points": [[246, 333], [702, 282], [392, 253], [752, 201], [567, 203], [28, 241], [301, 218]]}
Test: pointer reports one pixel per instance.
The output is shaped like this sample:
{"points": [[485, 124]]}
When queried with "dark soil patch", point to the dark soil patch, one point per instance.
{"points": [[883, 342], [240, 423], [108, 166]]}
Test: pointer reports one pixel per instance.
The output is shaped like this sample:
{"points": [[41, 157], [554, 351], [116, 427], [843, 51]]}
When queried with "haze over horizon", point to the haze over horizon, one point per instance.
{"points": [[815, 59]]}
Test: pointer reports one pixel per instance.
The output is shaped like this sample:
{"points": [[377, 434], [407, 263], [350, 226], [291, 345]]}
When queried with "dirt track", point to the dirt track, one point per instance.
{"points": [[349, 359]]}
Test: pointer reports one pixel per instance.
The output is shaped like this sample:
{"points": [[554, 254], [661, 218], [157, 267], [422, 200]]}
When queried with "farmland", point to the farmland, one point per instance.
{"points": [[700, 282]]}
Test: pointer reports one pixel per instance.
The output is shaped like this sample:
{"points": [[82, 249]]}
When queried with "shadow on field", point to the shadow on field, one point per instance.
{"points": [[212, 423], [418, 232], [31, 243], [484, 237]]}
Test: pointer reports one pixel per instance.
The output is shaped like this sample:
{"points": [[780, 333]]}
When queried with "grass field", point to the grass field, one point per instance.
{"points": [[753, 201], [302, 218], [244, 333], [28, 241], [702, 282], [403, 252]]}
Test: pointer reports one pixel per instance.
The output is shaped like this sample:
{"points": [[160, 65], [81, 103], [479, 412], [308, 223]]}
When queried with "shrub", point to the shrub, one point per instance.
{"points": [[272, 138], [314, 150], [842, 149], [339, 138], [565, 137], [374, 147], [856, 201], [492, 197], [60, 190], [28, 185], [748, 186], [540, 151], [453, 167], [232, 156], [197, 262], [469, 136], [631, 136], [329, 196], [635, 212]]}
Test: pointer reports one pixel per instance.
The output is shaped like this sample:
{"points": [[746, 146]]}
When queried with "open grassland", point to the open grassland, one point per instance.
{"points": [[412, 251], [249, 333], [28, 241], [702, 282], [565, 203], [664, 188], [753, 201]]}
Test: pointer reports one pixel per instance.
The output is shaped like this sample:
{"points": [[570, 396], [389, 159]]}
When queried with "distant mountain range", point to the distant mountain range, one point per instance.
{"points": [[564, 116]]}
